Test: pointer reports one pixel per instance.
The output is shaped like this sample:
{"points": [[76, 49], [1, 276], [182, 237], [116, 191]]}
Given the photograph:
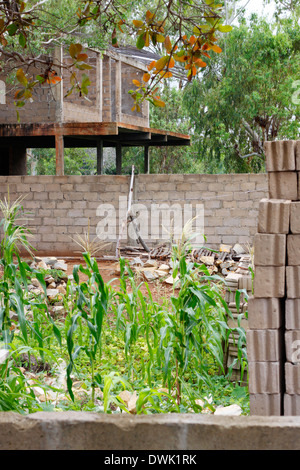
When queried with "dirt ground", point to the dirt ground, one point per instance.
{"points": [[109, 273]]}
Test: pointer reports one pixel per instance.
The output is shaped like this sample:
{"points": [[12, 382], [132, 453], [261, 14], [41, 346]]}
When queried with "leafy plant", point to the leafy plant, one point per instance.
{"points": [[89, 311]]}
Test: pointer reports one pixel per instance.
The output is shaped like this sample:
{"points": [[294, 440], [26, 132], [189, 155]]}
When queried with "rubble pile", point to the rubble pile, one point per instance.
{"points": [[157, 264], [240, 280]]}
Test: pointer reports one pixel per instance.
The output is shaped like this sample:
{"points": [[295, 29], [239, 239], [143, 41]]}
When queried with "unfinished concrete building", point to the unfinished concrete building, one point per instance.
{"points": [[54, 120]]}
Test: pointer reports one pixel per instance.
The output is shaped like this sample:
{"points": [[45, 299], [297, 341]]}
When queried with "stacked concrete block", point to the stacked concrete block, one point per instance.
{"points": [[273, 335]]}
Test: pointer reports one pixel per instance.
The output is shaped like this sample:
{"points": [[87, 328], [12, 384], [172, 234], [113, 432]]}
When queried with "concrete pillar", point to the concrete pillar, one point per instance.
{"points": [[146, 160], [100, 157], [17, 160], [119, 159], [59, 147]]}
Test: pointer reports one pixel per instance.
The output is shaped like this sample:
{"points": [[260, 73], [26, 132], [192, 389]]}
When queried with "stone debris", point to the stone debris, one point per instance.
{"points": [[239, 280], [158, 265], [231, 410]]}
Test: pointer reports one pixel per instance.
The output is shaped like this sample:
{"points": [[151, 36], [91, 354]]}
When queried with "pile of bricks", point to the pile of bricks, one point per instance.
{"points": [[240, 280], [274, 310]]}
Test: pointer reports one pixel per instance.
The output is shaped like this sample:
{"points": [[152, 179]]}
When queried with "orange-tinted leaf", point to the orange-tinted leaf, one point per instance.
{"points": [[19, 94], [216, 48], [166, 74], [55, 80], [159, 103], [146, 77], [180, 57], [171, 63], [137, 23], [147, 39], [21, 77], [74, 50], [82, 57], [200, 63], [168, 44], [120, 24], [161, 63], [149, 15], [151, 65], [192, 40], [136, 82]]}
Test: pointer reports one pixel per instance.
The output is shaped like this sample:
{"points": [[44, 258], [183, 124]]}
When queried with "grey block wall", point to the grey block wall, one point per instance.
{"points": [[62, 206]]}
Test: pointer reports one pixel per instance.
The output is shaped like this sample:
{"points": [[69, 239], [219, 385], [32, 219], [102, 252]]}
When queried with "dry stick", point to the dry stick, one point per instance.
{"points": [[130, 217], [128, 209]]}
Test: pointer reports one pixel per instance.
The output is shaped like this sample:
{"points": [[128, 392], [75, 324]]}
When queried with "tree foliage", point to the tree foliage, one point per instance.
{"points": [[187, 31], [246, 96]]}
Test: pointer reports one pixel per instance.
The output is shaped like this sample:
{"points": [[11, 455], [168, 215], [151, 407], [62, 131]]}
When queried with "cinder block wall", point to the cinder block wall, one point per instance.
{"points": [[62, 206]]}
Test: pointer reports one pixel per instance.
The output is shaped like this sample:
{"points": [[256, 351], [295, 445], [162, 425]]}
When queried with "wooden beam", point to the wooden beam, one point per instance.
{"points": [[146, 160], [100, 157], [119, 159], [59, 147], [69, 128]]}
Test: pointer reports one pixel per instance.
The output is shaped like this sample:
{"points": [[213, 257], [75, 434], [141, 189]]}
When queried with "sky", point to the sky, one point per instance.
{"points": [[256, 6]]}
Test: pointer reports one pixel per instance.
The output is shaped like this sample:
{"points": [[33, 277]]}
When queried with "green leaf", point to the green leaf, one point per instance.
{"points": [[225, 28], [12, 29], [140, 43], [22, 40]]}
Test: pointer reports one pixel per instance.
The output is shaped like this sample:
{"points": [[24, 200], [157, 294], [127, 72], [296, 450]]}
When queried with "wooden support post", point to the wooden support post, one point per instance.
{"points": [[119, 159], [146, 160], [100, 157], [59, 147]]}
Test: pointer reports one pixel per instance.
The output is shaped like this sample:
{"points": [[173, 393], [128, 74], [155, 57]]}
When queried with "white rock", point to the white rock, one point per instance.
{"points": [[164, 267], [231, 410], [52, 293], [150, 263], [171, 280], [136, 262], [60, 265], [42, 265], [35, 282], [149, 275], [50, 260]]}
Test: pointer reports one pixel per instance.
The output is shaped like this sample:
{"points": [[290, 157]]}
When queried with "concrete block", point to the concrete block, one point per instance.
{"points": [[293, 282], [283, 185], [292, 346], [291, 405], [292, 314], [265, 377], [274, 216], [270, 249], [295, 218], [265, 404], [297, 154], [292, 378], [265, 313], [265, 345], [280, 155], [293, 250], [269, 281]]}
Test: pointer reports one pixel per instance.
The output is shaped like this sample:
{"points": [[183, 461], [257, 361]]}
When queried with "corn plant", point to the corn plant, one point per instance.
{"points": [[90, 308], [14, 282]]}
